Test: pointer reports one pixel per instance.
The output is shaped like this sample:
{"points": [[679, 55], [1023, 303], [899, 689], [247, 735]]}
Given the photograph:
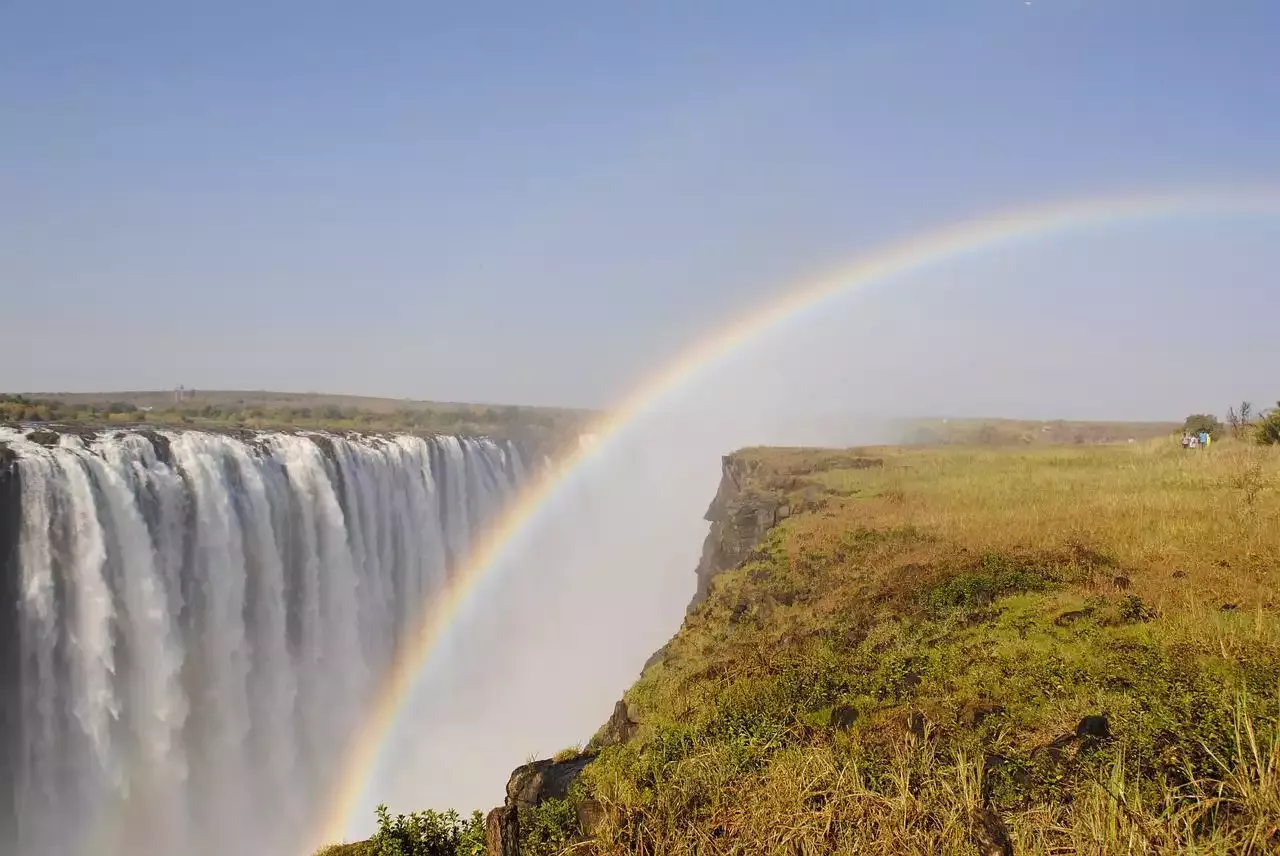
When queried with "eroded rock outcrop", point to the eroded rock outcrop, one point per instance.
{"points": [[740, 515], [529, 787], [619, 729]]}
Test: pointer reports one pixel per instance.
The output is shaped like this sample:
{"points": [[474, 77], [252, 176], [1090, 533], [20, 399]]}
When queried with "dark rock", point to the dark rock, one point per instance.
{"points": [[739, 517], [1072, 617], [324, 444], [989, 834], [1055, 751], [43, 437], [655, 658], [1093, 729], [1121, 582], [993, 761], [979, 617], [619, 729], [973, 714], [160, 443], [843, 717], [591, 816], [855, 637], [532, 784], [502, 832], [910, 679]]}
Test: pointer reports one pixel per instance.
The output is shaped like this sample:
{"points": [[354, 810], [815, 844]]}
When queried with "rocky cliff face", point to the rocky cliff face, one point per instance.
{"points": [[740, 515], [530, 786], [742, 512], [9, 651]]}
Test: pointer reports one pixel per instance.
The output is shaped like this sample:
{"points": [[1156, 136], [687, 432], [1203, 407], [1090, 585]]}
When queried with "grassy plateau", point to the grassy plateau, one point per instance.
{"points": [[963, 650]]}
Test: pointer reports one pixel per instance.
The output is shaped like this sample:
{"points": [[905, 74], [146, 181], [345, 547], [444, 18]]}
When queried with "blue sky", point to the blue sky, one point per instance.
{"points": [[539, 203]]}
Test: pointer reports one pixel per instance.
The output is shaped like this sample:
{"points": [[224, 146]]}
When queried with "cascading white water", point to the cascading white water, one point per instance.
{"points": [[200, 620]]}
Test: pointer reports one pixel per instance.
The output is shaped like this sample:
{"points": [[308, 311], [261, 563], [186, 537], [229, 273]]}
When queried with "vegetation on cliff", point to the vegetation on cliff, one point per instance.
{"points": [[422, 833], [1061, 650], [1074, 649], [273, 410]]}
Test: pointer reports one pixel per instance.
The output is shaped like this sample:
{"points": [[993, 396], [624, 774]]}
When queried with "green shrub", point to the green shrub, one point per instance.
{"points": [[548, 829], [427, 833], [1267, 429], [995, 576]]}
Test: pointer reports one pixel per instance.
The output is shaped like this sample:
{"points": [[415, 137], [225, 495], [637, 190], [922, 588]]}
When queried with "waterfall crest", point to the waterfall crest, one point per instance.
{"points": [[198, 621]]}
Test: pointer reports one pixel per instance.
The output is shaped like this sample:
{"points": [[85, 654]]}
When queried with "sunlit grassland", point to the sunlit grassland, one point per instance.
{"points": [[911, 654]]}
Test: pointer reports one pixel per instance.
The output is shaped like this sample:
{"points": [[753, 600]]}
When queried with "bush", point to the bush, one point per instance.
{"points": [[427, 833], [1267, 429], [995, 576], [545, 830], [1198, 422]]}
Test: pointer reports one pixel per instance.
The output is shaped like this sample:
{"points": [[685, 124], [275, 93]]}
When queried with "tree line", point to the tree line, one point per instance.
{"points": [[1243, 423], [496, 420]]}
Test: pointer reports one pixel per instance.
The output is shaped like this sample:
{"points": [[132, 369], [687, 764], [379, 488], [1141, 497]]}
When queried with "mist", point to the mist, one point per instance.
{"points": [[1135, 323]]}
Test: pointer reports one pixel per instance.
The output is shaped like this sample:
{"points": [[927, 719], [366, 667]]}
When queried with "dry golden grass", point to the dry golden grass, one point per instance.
{"points": [[1156, 508], [822, 700]]}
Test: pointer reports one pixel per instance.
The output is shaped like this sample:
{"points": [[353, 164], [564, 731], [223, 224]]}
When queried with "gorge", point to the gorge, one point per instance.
{"points": [[194, 621]]}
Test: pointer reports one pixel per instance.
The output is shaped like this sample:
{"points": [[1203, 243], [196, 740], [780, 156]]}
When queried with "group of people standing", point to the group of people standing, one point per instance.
{"points": [[1191, 440]]}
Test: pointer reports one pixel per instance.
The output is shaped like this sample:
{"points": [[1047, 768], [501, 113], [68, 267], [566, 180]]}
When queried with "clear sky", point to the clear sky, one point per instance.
{"points": [[539, 202]]}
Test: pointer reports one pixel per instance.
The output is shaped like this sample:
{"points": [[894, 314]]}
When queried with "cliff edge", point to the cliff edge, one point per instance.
{"points": [[957, 651], [10, 714], [746, 506]]}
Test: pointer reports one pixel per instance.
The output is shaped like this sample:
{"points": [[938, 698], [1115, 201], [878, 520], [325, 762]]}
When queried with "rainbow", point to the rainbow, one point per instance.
{"points": [[967, 237]]}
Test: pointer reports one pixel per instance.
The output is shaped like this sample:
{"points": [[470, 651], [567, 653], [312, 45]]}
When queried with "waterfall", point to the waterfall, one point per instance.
{"points": [[195, 622]]}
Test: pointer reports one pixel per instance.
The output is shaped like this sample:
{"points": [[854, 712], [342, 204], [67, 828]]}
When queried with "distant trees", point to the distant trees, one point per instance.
{"points": [[1198, 422], [20, 408], [549, 425], [988, 436], [1245, 424]]}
